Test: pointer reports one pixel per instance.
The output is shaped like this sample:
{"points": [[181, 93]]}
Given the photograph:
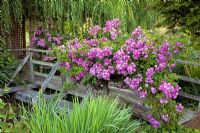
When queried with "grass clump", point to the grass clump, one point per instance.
{"points": [[93, 115]]}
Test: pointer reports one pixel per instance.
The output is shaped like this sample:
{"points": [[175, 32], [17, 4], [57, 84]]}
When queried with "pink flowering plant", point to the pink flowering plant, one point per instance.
{"points": [[43, 39], [108, 55]]}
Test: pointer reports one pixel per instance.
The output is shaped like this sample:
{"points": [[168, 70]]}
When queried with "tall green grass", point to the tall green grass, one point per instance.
{"points": [[93, 115]]}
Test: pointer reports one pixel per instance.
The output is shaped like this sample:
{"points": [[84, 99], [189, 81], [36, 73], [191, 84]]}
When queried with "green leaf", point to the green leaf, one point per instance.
{"points": [[6, 88], [2, 104]]}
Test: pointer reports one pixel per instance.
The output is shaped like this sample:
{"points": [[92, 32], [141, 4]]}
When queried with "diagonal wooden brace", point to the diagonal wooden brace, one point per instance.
{"points": [[19, 68], [50, 76]]}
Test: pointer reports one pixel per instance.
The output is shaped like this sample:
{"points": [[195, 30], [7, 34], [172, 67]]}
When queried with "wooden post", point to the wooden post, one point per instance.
{"points": [[63, 78], [105, 87], [31, 67]]}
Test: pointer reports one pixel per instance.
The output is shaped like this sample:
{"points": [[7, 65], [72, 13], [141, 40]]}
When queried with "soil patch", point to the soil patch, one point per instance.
{"points": [[194, 123]]}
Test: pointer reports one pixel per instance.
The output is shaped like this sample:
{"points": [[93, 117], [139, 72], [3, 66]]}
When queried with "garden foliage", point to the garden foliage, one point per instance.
{"points": [[7, 64], [108, 54], [8, 119], [93, 115]]}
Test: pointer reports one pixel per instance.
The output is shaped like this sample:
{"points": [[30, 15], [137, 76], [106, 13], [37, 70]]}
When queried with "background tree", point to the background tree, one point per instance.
{"points": [[75, 16], [184, 14]]}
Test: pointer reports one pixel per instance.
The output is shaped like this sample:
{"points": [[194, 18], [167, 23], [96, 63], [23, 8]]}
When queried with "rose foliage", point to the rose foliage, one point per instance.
{"points": [[109, 55]]}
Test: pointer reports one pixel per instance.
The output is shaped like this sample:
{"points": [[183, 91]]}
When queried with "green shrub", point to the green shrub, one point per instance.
{"points": [[7, 63], [94, 115]]}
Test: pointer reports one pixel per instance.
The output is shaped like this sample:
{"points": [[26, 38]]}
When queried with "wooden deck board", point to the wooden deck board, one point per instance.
{"points": [[18, 88], [31, 96]]}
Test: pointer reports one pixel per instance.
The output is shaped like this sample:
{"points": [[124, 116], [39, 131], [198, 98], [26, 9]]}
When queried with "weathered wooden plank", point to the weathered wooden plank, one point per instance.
{"points": [[18, 88], [80, 91], [31, 96], [50, 76], [54, 84], [22, 49], [39, 50], [188, 115], [198, 108], [128, 95], [43, 63], [188, 79], [46, 75], [19, 68], [190, 96], [31, 68], [187, 62]]}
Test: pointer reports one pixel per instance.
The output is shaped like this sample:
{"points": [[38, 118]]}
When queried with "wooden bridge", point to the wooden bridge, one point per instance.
{"points": [[48, 83]]}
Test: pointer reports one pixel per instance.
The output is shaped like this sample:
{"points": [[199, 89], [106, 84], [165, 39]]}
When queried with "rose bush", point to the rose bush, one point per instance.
{"points": [[142, 65]]}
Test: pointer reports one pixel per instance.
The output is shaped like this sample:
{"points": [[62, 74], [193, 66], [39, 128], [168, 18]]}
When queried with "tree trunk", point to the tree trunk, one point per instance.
{"points": [[105, 87]]}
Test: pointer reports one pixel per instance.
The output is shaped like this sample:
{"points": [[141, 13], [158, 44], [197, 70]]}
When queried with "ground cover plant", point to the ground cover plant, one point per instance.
{"points": [[109, 54], [93, 115], [8, 119]]}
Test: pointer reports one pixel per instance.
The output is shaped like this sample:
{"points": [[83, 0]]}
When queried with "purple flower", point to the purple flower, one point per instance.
{"points": [[110, 24], [153, 90], [48, 58], [56, 40], [138, 48], [94, 30], [93, 42], [41, 43], [104, 39], [165, 117], [95, 53], [107, 51], [154, 123], [131, 68], [169, 90], [106, 74], [33, 40], [48, 34], [149, 75], [66, 65], [107, 62], [137, 33], [163, 101], [114, 33], [133, 83], [112, 27], [77, 77], [38, 32], [142, 94], [179, 107]]}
